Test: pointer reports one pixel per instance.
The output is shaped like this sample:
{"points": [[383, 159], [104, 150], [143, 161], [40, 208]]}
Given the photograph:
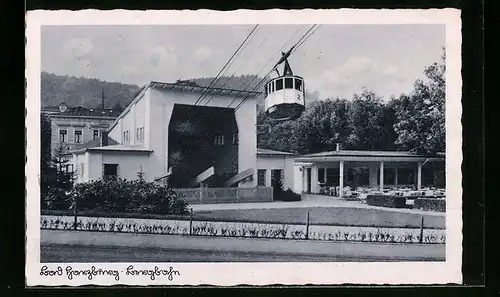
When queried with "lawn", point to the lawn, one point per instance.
{"points": [[339, 216], [325, 216]]}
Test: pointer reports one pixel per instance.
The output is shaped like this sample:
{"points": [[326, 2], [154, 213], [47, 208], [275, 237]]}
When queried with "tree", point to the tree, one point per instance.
{"points": [[421, 114], [367, 119], [322, 125], [59, 179], [45, 156]]}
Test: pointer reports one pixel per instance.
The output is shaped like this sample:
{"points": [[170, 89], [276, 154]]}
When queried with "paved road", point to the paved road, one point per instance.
{"points": [[70, 246], [100, 254]]}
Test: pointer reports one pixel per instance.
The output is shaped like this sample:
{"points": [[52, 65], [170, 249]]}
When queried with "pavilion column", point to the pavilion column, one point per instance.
{"points": [[324, 175], [381, 181], [341, 179], [314, 179], [419, 176], [396, 176], [373, 176], [304, 180]]}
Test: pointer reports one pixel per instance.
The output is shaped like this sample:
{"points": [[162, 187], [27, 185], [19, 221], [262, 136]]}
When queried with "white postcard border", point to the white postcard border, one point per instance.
{"points": [[228, 274]]}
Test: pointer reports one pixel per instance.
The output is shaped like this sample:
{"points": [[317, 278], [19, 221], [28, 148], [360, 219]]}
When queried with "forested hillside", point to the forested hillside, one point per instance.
{"points": [[87, 92]]}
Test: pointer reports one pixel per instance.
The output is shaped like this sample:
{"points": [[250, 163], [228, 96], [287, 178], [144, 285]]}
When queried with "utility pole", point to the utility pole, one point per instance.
{"points": [[102, 99]]}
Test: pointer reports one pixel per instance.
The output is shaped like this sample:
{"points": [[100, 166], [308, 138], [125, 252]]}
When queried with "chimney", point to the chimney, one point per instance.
{"points": [[104, 138], [337, 147]]}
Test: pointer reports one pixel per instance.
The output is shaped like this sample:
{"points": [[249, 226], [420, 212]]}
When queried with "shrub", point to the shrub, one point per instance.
{"points": [[120, 195], [56, 198], [386, 201], [430, 204], [287, 195]]}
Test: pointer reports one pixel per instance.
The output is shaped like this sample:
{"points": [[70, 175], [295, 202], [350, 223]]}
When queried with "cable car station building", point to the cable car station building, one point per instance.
{"points": [[170, 136]]}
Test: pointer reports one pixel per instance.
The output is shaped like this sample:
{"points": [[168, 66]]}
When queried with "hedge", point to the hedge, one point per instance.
{"points": [[386, 201], [430, 204], [287, 195], [120, 195]]}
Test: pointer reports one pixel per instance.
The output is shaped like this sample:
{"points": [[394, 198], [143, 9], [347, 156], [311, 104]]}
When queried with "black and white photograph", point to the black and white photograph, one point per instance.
{"points": [[255, 143]]}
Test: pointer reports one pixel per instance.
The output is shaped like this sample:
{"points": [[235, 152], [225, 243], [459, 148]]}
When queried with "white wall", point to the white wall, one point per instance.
{"points": [[278, 162], [129, 164], [246, 118], [116, 131]]}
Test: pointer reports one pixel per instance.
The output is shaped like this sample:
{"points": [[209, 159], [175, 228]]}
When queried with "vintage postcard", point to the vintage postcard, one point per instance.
{"points": [[243, 147]]}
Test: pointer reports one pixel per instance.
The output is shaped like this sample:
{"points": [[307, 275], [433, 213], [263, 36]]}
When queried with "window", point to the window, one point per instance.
{"points": [[126, 136], [142, 134], [279, 84], [110, 170], [63, 135], [298, 84], [68, 168], [82, 167], [78, 136], [138, 134], [288, 83], [261, 177], [95, 135], [123, 140], [219, 140], [235, 138]]}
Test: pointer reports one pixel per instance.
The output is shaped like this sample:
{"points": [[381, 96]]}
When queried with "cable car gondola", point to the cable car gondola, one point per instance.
{"points": [[285, 94]]}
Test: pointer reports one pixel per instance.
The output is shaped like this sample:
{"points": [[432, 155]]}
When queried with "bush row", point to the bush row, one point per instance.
{"points": [[287, 195], [121, 195], [430, 204], [386, 201]]}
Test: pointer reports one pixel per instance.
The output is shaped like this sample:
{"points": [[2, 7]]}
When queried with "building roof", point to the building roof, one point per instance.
{"points": [[368, 155], [266, 152], [97, 142], [182, 86], [114, 148], [81, 111], [185, 86]]}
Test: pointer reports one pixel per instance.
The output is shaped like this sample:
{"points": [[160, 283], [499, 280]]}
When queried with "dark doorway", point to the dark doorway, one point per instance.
{"points": [[309, 171]]}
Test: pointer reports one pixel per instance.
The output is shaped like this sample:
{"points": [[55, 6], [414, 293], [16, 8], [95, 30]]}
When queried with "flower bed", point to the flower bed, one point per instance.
{"points": [[433, 204], [386, 201], [226, 229]]}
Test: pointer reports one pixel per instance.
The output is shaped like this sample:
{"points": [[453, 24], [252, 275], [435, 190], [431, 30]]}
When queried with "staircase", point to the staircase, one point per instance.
{"points": [[239, 177]]}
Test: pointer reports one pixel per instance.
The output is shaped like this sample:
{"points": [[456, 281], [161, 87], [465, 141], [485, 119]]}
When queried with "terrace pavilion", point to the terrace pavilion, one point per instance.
{"points": [[377, 170]]}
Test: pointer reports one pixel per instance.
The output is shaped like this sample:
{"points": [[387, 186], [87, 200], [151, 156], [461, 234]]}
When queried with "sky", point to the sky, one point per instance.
{"points": [[336, 61]]}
